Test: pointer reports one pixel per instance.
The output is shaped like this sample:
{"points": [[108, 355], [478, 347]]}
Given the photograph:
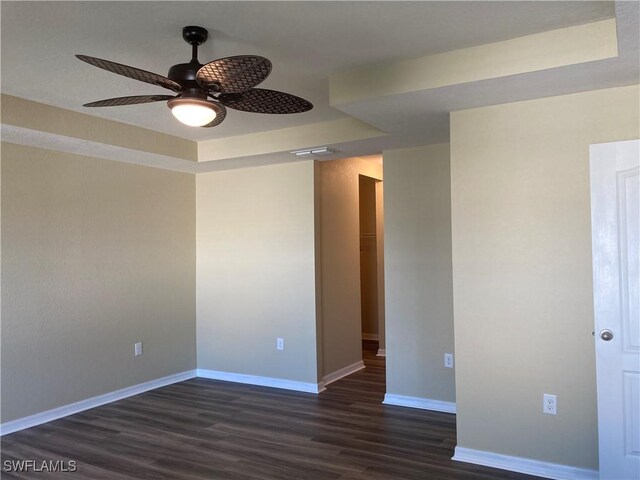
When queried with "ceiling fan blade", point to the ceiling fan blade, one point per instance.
{"points": [[222, 114], [120, 101], [131, 72], [260, 100], [234, 74]]}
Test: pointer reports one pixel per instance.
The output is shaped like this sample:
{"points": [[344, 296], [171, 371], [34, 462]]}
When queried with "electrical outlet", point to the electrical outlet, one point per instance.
{"points": [[280, 343], [549, 405], [448, 360], [137, 349]]}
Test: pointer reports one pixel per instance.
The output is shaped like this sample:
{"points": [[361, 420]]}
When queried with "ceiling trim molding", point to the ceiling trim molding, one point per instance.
{"points": [[58, 143], [542, 51], [38, 117], [287, 139], [29, 123]]}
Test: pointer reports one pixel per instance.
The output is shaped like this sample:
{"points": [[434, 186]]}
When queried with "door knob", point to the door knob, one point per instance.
{"points": [[606, 335]]}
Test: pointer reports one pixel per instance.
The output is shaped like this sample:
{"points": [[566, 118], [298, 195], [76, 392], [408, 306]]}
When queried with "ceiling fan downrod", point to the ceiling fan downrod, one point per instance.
{"points": [[194, 36]]}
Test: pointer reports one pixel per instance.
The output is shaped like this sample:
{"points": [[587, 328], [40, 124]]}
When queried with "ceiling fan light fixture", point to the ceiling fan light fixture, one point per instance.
{"points": [[193, 112]]}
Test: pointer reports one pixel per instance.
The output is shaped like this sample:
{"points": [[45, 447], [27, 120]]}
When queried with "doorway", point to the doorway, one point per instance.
{"points": [[339, 264], [371, 307]]}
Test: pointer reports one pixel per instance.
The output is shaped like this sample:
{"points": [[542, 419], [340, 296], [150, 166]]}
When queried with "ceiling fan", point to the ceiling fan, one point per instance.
{"points": [[204, 91]]}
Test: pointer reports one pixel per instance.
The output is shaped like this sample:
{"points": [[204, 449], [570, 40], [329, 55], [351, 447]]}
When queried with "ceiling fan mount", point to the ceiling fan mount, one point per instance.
{"points": [[204, 91], [194, 35]]}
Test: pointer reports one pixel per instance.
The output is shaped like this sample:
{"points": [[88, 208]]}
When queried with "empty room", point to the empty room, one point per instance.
{"points": [[320, 240]]}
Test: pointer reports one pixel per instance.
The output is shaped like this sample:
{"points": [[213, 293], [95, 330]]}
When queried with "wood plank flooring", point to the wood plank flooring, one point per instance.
{"points": [[207, 429]]}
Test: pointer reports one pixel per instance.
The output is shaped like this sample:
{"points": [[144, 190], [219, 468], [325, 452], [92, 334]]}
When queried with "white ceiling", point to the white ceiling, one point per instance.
{"points": [[306, 41]]}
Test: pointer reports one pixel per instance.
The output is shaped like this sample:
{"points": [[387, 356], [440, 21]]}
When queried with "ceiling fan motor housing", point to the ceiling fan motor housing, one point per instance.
{"points": [[185, 74]]}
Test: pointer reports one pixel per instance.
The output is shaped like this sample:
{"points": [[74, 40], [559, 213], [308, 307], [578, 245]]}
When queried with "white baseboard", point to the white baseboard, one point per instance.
{"points": [[343, 372], [70, 409], [381, 352], [261, 381], [523, 465], [371, 336], [418, 402]]}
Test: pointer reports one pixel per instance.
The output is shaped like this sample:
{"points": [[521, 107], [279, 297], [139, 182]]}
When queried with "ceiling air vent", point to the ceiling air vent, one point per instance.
{"points": [[314, 152]]}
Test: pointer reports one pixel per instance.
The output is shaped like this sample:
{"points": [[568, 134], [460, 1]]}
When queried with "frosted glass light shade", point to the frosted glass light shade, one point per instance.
{"points": [[192, 111]]}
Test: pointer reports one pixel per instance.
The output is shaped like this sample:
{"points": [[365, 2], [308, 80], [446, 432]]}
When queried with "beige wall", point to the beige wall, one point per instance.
{"points": [[96, 255], [340, 260], [522, 271], [256, 271], [419, 304]]}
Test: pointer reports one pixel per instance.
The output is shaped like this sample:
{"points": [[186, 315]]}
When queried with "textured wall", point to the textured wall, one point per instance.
{"points": [[523, 297], [256, 271], [96, 255], [419, 304]]}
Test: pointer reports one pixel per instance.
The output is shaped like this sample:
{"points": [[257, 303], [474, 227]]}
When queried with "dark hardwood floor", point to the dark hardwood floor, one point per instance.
{"points": [[207, 429]]}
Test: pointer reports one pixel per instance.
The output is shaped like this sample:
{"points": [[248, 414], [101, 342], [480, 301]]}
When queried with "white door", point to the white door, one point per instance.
{"points": [[615, 225]]}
